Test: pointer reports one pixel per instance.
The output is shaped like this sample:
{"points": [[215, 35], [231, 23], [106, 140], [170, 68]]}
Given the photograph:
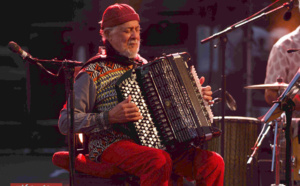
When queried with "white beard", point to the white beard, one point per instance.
{"points": [[128, 53]]}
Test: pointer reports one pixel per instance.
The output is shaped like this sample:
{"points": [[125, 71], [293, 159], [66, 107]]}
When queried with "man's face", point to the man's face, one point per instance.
{"points": [[125, 38]]}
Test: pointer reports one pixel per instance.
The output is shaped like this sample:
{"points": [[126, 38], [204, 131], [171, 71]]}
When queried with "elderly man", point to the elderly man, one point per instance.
{"points": [[99, 115]]}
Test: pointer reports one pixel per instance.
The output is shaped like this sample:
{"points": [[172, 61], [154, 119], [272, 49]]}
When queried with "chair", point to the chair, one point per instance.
{"points": [[91, 173], [88, 172]]}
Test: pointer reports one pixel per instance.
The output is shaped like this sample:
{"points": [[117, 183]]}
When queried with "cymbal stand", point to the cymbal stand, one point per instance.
{"points": [[275, 154], [276, 146]]}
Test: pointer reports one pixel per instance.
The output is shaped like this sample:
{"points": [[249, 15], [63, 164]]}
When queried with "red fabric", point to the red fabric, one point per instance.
{"points": [[84, 165], [206, 167], [118, 14], [155, 166], [152, 166]]}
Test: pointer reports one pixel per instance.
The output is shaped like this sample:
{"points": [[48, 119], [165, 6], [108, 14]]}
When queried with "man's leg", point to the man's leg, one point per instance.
{"points": [[153, 166], [206, 167]]}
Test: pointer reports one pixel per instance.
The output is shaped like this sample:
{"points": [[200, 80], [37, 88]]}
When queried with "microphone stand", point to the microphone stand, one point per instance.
{"points": [[223, 42], [64, 63], [222, 35], [69, 67]]}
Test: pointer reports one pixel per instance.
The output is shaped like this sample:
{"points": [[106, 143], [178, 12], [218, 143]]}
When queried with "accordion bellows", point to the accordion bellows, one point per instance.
{"points": [[168, 94]]}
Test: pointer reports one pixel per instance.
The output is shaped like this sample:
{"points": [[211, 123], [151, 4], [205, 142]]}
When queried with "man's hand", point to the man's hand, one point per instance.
{"points": [[124, 112], [271, 95], [206, 91]]}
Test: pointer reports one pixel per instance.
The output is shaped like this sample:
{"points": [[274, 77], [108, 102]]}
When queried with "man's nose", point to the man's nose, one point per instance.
{"points": [[135, 34]]}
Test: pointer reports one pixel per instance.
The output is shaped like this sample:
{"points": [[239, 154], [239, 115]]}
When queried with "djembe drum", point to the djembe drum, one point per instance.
{"points": [[240, 134]]}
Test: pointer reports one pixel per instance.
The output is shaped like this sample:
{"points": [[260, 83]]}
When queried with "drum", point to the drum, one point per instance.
{"points": [[240, 134]]}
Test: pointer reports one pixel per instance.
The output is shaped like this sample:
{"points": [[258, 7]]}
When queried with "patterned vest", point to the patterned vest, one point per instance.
{"points": [[105, 74]]}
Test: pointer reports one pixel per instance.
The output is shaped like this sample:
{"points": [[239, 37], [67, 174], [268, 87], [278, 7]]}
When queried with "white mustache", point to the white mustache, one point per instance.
{"points": [[135, 41]]}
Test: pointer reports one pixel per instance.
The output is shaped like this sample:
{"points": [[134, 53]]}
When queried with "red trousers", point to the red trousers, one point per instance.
{"points": [[155, 166]]}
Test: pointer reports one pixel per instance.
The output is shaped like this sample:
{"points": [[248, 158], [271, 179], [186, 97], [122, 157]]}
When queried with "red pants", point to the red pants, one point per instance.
{"points": [[154, 166]]}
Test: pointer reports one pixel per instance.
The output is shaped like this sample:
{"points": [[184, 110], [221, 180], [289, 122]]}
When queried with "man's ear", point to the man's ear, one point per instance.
{"points": [[106, 34]]}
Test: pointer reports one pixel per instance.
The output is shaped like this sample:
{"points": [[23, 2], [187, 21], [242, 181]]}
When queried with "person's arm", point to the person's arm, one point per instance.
{"points": [[270, 96], [276, 67], [84, 100]]}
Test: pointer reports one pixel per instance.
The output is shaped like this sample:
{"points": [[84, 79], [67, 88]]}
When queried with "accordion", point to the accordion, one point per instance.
{"points": [[168, 95]]}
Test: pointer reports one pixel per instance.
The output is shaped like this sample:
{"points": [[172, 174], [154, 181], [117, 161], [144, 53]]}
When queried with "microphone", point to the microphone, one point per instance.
{"points": [[14, 47], [288, 14], [292, 50]]}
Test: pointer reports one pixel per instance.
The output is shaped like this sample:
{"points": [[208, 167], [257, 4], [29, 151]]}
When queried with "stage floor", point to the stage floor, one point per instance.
{"points": [[31, 169]]}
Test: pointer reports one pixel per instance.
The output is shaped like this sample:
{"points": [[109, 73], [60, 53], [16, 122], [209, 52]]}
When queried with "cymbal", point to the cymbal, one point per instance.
{"points": [[273, 86]]}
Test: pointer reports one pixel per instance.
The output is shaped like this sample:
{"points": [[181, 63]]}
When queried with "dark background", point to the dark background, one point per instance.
{"points": [[32, 99]]}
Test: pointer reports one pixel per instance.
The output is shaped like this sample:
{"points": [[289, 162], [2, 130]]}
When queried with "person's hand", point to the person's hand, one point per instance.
{"points": [[271, 95], [206, 91], [124, 112]]}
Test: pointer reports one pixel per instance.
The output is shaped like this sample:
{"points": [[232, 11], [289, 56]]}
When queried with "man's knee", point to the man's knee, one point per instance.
{"points": [[210, 161], [218, 162], [159, 159]]}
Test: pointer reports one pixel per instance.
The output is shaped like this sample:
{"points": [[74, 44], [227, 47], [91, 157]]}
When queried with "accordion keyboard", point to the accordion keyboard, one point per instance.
{"points": [[145, 128]]}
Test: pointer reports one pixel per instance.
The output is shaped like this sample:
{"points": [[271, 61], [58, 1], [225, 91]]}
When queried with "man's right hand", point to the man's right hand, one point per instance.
{"points": [[124, 112]]}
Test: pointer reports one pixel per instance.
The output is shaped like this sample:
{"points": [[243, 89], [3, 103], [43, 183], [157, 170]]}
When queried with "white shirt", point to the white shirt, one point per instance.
{"points": [[280, 62]]}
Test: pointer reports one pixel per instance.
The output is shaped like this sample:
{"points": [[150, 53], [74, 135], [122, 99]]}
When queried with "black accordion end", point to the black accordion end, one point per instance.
{"points": [[168, 94]]}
